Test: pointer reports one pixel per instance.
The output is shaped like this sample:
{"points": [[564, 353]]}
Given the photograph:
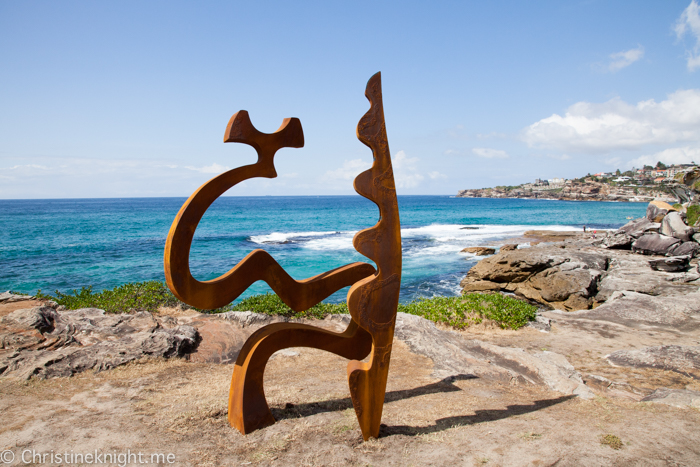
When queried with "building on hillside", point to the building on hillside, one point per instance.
{"points": [[623, 178], [556, 182], [659, 179]]}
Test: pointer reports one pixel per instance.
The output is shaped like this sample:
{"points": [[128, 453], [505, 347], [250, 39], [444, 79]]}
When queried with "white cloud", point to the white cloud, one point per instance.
{"points": [[689, 22], [590, 127], [25, 166], [66, 177], [405, 172], [348, 171], [559, 157], [684, 155], [452, 152], [207, 169], [613, 162], [436, 175], [624, 59], [489, 153]]}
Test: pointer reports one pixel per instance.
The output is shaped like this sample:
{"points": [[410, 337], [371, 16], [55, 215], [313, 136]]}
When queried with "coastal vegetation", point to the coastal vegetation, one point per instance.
{"points": [[693, 214], [134, 296], [458, 312]]}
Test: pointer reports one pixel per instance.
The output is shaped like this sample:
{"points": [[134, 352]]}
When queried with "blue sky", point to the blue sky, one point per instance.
{"points": [[131, 99]]}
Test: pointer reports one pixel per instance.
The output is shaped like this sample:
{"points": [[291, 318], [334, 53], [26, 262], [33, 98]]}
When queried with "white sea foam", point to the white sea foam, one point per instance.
{"points": [[339, 241], [450, 239], [427, 241], [284, 237]]}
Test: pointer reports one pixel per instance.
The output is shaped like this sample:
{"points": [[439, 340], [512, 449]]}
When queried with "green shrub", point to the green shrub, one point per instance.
{"points": [[458, 312], [271, 304], [678, 206], [461, 312], [128, 297], [692, 214]]}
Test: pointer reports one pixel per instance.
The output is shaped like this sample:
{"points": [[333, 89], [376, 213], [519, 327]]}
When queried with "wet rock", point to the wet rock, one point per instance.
{"points": [[654, 244], [673, 226], [679, 358], [479, 250], [672, 264], [509, 247], [674, 397], [657, 210]]}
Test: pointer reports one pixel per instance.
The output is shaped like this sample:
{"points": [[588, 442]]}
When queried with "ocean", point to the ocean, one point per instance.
{"points": [[65, 244]]}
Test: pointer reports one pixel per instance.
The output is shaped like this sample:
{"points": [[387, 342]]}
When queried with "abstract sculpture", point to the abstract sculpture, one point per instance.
{"points": [[372, 299]]}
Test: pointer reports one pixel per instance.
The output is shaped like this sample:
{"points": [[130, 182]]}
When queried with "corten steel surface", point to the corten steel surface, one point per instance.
{"points": [[372, 299]]}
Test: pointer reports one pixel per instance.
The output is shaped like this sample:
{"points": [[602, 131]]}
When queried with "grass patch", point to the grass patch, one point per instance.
{"points": [[458, 312], [462, 312], [136, 296], [692, 214], [612, 441]]}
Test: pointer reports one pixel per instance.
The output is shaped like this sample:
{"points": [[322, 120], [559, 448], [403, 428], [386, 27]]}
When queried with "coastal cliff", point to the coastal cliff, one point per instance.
{"points": [[574, 191], [680, 183]]}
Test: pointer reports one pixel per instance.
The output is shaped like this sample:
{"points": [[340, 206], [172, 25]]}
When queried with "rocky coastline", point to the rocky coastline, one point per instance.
{"points": [[575, 191], [634, 292], [654, 255]]}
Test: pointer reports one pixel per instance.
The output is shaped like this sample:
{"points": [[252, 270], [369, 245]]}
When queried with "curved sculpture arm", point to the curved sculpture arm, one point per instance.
{"points": [[248, 409], [258, 265]]}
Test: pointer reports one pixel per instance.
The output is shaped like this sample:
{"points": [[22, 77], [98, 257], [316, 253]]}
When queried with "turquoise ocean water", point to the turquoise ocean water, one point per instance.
{"points": [[66, 244]]}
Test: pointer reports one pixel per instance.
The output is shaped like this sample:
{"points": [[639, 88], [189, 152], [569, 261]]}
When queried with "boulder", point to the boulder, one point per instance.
{"points": [[672, 264], [690, 178], [638, 227], [479, 250], [674, 397], [43, 342], [9, 297], [509, 247], [618, 240], [656, 210], [644, 311], [691, 249], [654, 244], [454, 356], [549, 275], [696, 237], [673, 226], [682, 359]]}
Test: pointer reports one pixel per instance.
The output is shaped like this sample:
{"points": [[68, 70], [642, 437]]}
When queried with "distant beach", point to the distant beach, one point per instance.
{"points": [[67, 244]]}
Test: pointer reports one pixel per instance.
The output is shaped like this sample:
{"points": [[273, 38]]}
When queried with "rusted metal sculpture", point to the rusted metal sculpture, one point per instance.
{"points": [[372, 299]]}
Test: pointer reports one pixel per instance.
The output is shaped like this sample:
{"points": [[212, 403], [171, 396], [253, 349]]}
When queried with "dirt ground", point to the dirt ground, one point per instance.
{"points": [[179, 408]]}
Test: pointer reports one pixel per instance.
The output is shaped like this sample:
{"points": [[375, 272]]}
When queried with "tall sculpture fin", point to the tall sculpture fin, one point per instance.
{"points": [[373, 301]]}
